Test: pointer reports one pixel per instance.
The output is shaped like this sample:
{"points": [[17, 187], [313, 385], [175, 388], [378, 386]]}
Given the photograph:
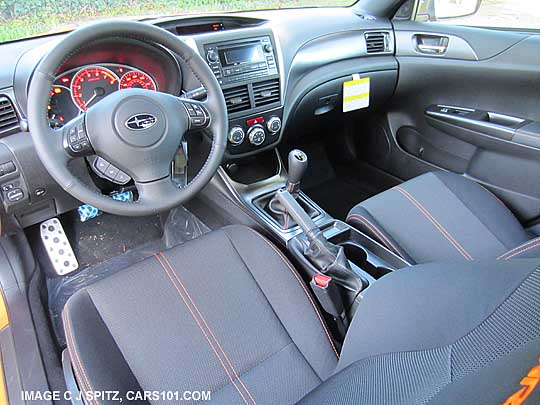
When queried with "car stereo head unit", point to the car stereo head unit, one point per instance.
{"points": [[241, 60]]}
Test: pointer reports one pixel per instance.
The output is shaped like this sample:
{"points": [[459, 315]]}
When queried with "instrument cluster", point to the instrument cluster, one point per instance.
{"points": [[76, 90]]}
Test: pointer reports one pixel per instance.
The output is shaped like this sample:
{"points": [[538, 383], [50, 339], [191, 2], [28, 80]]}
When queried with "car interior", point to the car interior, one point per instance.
{"points": [[326, 205]]}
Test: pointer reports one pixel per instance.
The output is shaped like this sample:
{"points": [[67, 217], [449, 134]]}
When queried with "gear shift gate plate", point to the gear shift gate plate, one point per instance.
{"points": [[283, 221]]}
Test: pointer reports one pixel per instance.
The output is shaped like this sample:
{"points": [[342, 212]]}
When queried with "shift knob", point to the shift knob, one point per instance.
{"points": [[298, 163]]}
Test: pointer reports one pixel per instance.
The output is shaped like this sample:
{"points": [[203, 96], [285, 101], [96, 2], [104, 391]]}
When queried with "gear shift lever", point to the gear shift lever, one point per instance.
{"points": [[298, 163], [324, 255]]}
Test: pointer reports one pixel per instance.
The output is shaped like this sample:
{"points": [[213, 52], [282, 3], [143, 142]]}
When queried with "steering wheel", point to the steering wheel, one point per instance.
{"points": [[138, 131]]}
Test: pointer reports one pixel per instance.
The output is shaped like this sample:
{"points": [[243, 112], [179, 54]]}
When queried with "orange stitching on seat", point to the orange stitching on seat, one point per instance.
{"points": [[493, 195], [377, 232], [518, 247], [522, 251], [201, 328], [435, 223], [79, 368], [293, 271], [172, 268]]}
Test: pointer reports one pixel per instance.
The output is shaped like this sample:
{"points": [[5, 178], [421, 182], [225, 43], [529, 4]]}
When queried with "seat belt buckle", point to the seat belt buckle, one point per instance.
{"points": [[328, 294]]}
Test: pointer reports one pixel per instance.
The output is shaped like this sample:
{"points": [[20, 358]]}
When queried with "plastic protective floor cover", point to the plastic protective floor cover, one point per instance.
{"points": [[180, 226]]}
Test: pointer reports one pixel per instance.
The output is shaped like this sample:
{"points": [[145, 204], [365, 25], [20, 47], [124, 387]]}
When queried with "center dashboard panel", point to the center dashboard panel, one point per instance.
{"points": [[247, 68]]}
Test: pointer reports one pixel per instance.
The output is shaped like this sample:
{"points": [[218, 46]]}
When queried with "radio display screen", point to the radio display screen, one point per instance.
{"points": [[252, 53]]}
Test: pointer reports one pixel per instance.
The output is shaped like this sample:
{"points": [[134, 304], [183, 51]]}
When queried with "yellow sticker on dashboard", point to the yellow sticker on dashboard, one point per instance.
{"points": [[356, 93]]}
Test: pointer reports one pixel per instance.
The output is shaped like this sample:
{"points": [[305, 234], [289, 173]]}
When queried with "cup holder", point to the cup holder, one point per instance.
{"points": [[359, 256]]}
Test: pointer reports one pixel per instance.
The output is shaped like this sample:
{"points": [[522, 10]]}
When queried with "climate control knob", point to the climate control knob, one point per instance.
{"points": [[273, 124], [236, 136], [256, 135]]}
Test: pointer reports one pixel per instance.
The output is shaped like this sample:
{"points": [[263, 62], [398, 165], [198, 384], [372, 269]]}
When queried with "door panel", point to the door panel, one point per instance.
{"points": [[473, 108]]}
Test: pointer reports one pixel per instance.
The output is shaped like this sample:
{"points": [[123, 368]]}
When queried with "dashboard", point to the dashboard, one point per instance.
{"points": [[281, 73]]}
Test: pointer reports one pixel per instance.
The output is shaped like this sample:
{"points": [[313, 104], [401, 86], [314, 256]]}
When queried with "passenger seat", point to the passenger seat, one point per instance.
{"points": [[441, 216]]}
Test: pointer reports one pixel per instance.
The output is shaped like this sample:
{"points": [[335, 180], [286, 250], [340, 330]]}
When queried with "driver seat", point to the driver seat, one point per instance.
{"points": [[227, 313]]}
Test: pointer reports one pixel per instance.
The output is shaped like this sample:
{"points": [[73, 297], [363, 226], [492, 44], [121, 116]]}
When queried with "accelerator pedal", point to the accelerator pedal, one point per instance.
{"points": [[58, 247]]}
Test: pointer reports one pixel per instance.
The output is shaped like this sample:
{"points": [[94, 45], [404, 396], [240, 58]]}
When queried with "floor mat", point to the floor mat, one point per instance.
{"points": [[339, 194], [107, 236], [109, 244], [336, 186]]}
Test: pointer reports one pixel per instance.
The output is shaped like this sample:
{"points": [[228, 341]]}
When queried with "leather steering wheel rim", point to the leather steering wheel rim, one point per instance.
{"points": [[155, 194]]}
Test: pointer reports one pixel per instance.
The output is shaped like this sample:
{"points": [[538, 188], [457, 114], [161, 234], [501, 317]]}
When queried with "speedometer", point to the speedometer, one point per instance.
{"points": [[92, 84], [138, 80]]}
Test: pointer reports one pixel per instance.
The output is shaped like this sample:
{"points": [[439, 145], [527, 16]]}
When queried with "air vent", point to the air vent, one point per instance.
{"points": [[266, 92], [377, 42], [8, 117], [237, 99]]}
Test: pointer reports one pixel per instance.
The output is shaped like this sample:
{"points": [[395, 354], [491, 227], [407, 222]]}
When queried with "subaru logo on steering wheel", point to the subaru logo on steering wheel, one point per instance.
{"points": [[142, 121]]}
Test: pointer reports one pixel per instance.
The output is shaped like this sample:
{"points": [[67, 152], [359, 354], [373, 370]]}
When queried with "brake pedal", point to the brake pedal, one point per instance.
{"points": [[58, 247]]}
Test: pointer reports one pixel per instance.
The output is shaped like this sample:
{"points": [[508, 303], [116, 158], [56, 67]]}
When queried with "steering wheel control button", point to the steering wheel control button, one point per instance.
{"points": [[109, 172], [256, 135], [77, 141], [101, 165], [58, 248], [121, 178], [198, 116], [236, 136]]}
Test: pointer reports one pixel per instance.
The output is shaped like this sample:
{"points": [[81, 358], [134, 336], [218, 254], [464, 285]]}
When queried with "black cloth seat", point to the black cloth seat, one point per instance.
{"points": [[443, 334], [442, 216], [228, 313], [225, 312]]}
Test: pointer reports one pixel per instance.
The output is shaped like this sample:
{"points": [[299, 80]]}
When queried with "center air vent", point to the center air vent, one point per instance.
{"points": [[8, 117], [266, 92], [237, 99], [377, 42]]}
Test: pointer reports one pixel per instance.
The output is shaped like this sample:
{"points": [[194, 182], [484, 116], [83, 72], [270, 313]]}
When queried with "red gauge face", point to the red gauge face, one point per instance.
{"points": [[137, 80], [91, 85]]}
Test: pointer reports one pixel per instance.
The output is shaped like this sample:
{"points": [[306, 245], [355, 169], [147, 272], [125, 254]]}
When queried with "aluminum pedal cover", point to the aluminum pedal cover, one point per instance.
{"points": [[58, 247]]}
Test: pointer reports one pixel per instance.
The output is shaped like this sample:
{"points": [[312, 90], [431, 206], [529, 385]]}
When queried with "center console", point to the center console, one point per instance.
{"points": [[340, 262], [248, 71], [325, 248]]}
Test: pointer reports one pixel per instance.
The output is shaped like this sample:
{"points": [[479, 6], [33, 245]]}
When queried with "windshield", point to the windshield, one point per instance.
{"points": [[27, 18]]}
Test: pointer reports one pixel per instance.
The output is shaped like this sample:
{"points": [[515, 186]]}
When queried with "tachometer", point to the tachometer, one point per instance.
{"points": [[91, 84], [138, 80]]}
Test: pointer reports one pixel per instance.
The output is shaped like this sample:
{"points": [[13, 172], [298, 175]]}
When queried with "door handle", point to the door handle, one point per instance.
{"points": [[432, 48], [431, 44]]}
